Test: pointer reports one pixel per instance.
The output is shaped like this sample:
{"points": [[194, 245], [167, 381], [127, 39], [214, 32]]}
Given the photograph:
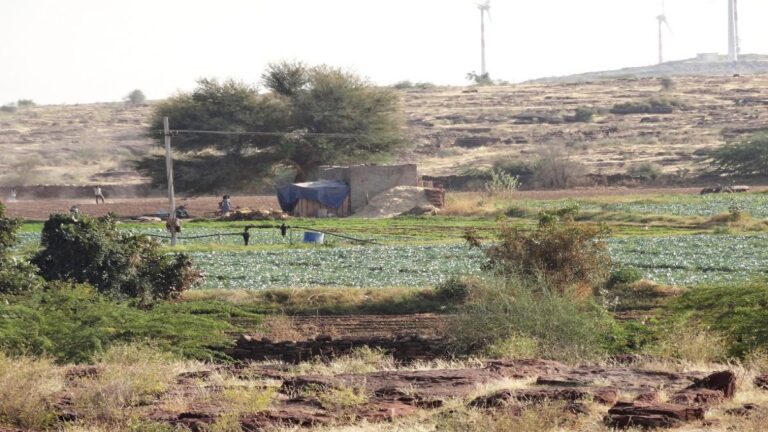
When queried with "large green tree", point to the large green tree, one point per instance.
{"points": [[310, 116], [746, 157]]}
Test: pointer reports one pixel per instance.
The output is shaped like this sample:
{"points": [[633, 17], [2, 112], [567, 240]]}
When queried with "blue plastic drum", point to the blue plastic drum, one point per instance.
{"points": [[313, 237]]}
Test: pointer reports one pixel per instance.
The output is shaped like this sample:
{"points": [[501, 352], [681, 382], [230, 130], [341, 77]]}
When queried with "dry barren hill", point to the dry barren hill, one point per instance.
{"points": [[453, 129]]}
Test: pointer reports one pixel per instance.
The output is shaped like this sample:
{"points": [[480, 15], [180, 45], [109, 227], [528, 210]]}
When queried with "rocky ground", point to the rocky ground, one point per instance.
{"points": [[619, 395], [452, 129]]}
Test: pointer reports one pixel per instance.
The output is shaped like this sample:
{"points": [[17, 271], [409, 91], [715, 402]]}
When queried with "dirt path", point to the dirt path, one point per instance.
{"points": [[131, 207], [283, 327]]}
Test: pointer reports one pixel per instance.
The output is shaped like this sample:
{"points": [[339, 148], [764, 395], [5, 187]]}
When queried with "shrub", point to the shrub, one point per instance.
{"points": [[16, 275], [646, 170], [501, 184], [480, 79], [667, 84], [558, 326], [624, 275], [136, 97], [119, 264], [24, 103], [648, 106], [556, 170], [747, 157], [582, 115], [8, 108], [567, 256], [455, 289], [514, 167], [72, 324]]}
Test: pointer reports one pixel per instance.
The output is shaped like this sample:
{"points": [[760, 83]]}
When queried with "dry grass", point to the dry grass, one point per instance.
{"points": [[130, 375], [28, 389]]}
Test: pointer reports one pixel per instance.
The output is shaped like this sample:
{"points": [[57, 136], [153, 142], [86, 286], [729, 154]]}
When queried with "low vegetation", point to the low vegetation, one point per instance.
{"points": [[656, 105]]}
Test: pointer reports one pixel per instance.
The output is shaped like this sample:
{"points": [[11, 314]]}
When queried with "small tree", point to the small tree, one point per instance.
{"points": [[746, 157], [136, 97], [480, 79], [555, 169]]}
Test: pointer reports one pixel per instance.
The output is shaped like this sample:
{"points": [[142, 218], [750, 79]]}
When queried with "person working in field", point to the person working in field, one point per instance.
{"points": [[225, 206], [98, 194]]}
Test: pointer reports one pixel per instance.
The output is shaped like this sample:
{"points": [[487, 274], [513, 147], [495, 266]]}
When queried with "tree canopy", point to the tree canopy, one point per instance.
{"points": [[746, 157], [311, 116]]}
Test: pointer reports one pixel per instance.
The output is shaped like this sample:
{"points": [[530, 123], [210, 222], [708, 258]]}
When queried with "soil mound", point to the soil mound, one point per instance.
{"points": [[394, 202]]}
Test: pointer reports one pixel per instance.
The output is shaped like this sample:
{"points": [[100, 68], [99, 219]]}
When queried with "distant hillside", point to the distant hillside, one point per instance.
{"points": [[704, 65], [453, 129]]}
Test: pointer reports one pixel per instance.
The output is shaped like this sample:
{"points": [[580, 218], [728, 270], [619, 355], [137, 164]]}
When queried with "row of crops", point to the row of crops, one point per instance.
{"points": [[684, 260], [755, 204]]}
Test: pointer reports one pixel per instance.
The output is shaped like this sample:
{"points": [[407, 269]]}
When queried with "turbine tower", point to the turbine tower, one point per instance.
{"points": [[662, 21], [485, 8], [733, 31]]}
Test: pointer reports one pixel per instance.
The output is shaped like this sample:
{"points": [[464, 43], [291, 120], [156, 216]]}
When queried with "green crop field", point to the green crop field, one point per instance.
{"points": [[423, 251]]}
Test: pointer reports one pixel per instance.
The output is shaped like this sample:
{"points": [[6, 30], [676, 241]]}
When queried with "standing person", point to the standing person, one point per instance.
{"points": [[12, 198], [97, 193]]}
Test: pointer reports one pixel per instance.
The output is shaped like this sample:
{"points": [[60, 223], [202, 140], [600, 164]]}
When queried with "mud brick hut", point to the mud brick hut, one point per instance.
{"points": [[322, 198], [367, 181]]}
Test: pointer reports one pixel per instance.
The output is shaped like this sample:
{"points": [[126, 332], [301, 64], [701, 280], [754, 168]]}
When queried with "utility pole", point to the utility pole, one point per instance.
{"points": [[169, 172]]}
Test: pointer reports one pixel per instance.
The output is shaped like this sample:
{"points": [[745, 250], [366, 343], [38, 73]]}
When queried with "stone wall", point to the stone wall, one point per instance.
{"points": [[402, 348], [367, 181]]}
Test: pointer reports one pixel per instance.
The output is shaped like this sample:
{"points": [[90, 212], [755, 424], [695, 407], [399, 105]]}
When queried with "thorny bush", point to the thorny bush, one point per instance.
{"points": [[117, 263], [570, 257]]}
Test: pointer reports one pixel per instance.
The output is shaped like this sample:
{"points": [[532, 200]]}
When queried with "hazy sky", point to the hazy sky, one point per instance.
{"points": [[68, 51]]}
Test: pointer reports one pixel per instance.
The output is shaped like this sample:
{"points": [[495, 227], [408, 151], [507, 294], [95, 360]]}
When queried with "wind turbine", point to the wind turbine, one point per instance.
{"points": [[662, 19], [485, 8], [733, 31]]}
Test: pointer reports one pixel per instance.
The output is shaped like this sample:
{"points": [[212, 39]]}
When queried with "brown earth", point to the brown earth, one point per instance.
{"points": [[281, 328], [451, 130], [131, 207]]}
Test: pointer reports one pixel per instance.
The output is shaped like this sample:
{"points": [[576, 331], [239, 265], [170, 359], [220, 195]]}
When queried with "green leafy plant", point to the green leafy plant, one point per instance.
{"points": [[117, 263], [624, 275], [746, 157], [74, 323], [501, 184]]}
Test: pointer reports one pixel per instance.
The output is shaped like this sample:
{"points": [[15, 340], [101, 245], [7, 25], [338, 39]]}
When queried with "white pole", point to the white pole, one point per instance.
{"points": [[482, 42], [169, 171]]}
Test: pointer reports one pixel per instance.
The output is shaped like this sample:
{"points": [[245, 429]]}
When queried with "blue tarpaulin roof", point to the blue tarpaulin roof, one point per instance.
{"points": [[327, 192]]}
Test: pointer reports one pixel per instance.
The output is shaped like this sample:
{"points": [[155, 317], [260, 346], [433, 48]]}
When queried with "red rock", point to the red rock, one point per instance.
{"points": [[762, 382], [745, 410], [724, 382], [638, 414], [705, 397]]}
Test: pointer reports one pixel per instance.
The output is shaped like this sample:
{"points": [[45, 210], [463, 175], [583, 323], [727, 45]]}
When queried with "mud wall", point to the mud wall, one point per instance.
{"points": [[402, 348], [367, 181]]}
